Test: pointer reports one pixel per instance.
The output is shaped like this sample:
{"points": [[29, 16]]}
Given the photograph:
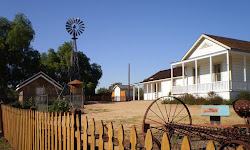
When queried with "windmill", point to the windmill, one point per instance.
{"points": [[75, 27]]}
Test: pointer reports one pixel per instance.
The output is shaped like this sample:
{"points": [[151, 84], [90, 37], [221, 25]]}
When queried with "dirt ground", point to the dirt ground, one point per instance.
{"points": [[131, 113]]}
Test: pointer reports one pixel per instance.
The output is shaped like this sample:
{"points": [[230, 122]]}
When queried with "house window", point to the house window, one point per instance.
{"points": [[198, 76], [39, 91], [217, 72]]}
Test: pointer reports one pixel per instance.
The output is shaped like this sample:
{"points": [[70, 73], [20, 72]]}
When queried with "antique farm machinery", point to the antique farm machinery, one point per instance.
{"points": [[171, 115]]}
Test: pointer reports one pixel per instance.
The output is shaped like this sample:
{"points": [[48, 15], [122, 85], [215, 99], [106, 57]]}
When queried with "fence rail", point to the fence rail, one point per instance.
{"points": [[33, 130]]}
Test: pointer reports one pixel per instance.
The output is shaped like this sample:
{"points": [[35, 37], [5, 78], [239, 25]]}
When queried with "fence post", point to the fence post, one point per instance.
{"points": [[1, 118], [76, 112]]}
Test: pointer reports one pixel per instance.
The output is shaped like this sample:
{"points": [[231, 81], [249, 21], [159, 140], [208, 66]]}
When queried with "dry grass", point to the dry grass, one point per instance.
{"points": [[131, 113]]}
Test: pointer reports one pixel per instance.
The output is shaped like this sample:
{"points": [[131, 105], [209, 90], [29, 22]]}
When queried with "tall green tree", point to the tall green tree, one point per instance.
{"points": [[102, 90], [18, 60], [57, 64], [113, 85]]}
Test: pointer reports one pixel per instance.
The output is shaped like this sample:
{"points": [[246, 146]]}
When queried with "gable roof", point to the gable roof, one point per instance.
{"points": [[232, 43], [122, 87], [164, 74], [228, 43], [36, 76]]}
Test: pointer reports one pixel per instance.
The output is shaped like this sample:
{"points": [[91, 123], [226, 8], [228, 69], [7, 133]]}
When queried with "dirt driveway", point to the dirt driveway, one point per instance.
{"points": [[131, 113]]}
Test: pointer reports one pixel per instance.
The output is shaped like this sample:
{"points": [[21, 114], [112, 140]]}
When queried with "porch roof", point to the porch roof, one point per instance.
{"points": [[164, 74]]}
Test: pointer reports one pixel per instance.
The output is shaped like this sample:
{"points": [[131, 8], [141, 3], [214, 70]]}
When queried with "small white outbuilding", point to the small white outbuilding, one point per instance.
{"points": [[120, 93]]}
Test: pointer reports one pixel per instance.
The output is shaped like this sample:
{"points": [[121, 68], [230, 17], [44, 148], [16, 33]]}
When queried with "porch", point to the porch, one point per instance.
{"points": [[223, 71]]}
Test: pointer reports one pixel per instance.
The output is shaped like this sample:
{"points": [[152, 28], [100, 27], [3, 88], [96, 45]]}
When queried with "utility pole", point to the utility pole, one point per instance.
{"points": [[129, 81]]}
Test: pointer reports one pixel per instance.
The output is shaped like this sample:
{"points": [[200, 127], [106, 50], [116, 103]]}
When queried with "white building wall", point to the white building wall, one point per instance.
{"points": [[208, 50], [166, 87], [248, 68], [237, 68], [117, 94]]}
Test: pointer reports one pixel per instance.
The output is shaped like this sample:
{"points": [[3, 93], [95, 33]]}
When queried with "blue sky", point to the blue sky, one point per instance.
{"points": [[147, 34]]}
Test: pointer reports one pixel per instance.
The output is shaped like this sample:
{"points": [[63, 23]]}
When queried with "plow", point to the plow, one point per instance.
{"points": [[171, 115]]}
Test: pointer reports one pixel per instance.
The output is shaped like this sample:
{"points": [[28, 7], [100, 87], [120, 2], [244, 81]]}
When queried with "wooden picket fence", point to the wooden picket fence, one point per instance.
{"points": [[33, 130]]}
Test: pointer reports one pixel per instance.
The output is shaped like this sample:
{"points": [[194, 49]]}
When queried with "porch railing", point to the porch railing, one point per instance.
{"points": [[240, 86], [204, 87], [214, 86]]}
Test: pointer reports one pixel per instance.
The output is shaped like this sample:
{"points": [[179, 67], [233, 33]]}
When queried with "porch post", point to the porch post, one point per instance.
{"points": [[196, 75], [133, 93], [183, 74], [151, 91], [245, 72], [156, 89], [147, 93], [172, 72], [228, 71], [211, 72], [245, 69], [138, 92]]}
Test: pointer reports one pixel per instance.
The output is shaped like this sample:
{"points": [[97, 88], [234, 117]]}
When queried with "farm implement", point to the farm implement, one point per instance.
{"points": [[170, 115]]}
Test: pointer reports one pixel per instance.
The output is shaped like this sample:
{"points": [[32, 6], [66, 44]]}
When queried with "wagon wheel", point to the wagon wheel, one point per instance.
{"points": [[233, 145], [162, 114]]}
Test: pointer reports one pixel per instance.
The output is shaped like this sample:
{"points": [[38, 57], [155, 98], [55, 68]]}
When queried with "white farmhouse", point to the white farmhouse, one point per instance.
{"points": [[213, 63]]}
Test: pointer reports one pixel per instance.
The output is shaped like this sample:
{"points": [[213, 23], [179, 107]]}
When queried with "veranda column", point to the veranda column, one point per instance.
{"points": [[172, 79], [228, 71], [183, 74], [211, 72], [151, 91], [138, 92], [196, 75], [133, 93], [156, 89], [147, 93], [245, 72]]}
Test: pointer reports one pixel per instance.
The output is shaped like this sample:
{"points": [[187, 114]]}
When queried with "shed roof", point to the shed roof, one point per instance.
{"points": [[122, 87], [75, 82], [35, 77]]}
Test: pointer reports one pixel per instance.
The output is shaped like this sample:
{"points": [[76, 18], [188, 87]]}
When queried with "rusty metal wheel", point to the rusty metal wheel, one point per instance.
{"points": [[162, 115], [233, 145]]}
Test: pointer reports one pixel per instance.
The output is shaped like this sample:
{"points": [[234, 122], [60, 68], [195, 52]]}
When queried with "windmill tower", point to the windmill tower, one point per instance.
{"points": [[75, 27]]}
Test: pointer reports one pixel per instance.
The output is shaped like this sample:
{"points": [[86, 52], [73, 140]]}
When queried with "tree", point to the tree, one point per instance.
{"points": [[113, 85], [141, 93], [18, 60], [102, 91], [57, 66]]}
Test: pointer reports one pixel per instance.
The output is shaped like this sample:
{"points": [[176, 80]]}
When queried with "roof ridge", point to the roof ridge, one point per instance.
{"points": [[224, 37]]}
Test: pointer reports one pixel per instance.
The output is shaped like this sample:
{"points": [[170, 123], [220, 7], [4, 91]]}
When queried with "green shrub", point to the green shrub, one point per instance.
{"points": [[28, 104], [15, 104], [168, 101], [59, 106], [217, 100], [243, 95], [188, 99], [214, 99], [228, 102], [201, 101]]}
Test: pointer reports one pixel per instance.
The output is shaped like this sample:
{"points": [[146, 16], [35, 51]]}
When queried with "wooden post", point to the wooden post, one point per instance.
{"points": [[101, 132], [121, 138], [110, 135], [93, 135], [1, 118], [133, 138]]}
